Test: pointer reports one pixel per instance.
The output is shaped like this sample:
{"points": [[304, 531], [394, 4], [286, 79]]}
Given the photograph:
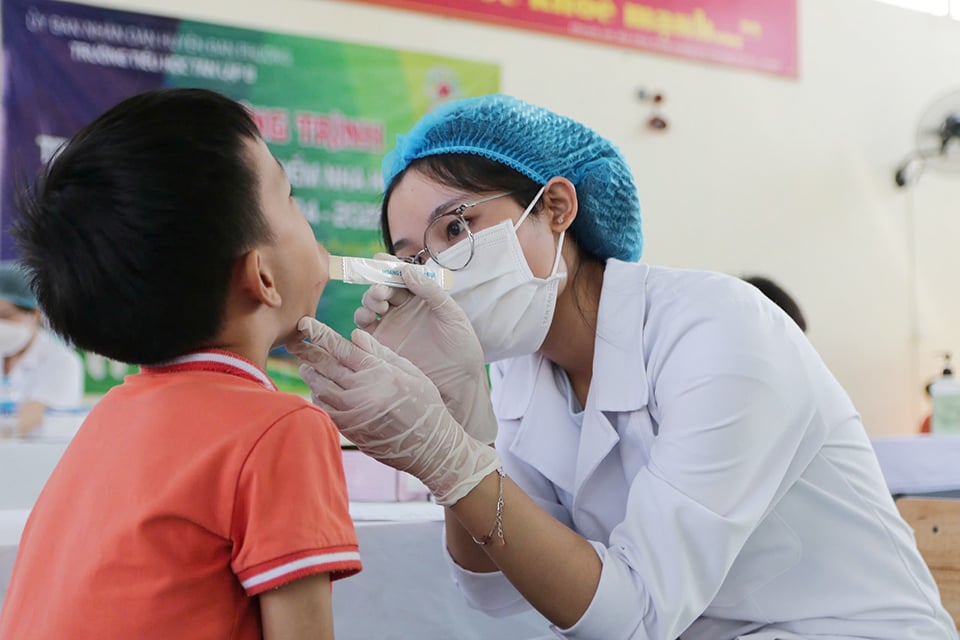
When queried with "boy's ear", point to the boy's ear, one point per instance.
{"points": [[256, 279]]}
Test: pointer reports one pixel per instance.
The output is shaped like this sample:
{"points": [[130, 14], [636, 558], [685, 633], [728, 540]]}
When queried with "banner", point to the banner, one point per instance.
{"points": [[329, 111], [752, 34]]}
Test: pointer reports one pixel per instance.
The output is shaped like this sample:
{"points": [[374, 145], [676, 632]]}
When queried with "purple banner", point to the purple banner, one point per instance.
{"points": [[47, 94]]}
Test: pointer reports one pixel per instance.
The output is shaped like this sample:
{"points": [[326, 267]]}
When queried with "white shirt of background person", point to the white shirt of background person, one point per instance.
{"points": [[43, 373]]}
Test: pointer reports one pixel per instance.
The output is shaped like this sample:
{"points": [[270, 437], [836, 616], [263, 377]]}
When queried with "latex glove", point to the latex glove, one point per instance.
{"points": [[427, 327], [391, 411]]}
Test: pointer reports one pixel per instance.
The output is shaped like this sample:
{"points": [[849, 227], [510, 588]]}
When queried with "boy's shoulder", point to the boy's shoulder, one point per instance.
{"points": [[283, 402], [209, 399]]}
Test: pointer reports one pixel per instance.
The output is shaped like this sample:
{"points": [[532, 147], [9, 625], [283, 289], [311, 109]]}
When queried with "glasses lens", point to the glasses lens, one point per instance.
{"points": [[443, 233]]}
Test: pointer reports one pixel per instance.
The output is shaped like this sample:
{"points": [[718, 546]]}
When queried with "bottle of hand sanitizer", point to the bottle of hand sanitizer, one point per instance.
{"points": [[945, 395], [8, 409]]}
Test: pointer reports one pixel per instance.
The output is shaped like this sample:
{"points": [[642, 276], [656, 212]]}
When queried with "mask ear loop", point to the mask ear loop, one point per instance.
{"points": [[526, 212], [556, 263], [529, 208]]}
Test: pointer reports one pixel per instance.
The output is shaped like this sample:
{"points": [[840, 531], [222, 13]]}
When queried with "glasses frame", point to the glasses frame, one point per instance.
{"points": [[419, 256]]}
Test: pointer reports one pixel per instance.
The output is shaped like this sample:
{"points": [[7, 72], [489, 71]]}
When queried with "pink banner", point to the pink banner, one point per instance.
{"points": [[751, 34]]}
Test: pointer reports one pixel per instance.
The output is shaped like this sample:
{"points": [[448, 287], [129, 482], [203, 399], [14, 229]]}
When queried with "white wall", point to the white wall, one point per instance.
{"points": [[757, 173]]}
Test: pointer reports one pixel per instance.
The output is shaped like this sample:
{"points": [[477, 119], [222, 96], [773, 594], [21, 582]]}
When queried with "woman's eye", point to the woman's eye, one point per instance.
{"points": [[455, 228]]}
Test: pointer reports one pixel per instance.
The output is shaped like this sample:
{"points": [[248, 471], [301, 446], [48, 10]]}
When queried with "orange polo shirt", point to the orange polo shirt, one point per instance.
{"points": [[189, 489]]}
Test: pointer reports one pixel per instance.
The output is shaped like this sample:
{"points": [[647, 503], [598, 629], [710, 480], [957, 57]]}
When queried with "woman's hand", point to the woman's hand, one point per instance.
{"points": [[394, 413], [391, 410], [424, 325]]}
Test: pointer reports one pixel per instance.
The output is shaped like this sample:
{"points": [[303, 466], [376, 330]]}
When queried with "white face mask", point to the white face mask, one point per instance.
{"points": [[509, 308], [13, 337]]}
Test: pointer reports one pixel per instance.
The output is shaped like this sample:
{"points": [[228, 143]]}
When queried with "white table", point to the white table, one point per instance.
{"points": [[920, 464], [25, 466], [26, 463], [405, 590]]}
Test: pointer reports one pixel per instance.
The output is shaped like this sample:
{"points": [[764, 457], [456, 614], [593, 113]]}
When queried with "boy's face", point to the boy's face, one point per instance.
{"points": [[300, 263]]}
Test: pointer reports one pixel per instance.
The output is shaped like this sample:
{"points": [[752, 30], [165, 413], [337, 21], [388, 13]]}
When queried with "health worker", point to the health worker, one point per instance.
{"points": [[672, 457], [40, 372]]}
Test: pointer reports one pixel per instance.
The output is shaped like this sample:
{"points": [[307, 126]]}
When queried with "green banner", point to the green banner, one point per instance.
{"points": [[329, 112]]}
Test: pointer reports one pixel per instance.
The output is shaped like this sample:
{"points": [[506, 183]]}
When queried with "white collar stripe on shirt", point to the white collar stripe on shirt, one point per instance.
{"points": [[245, 368], [297, 565]]}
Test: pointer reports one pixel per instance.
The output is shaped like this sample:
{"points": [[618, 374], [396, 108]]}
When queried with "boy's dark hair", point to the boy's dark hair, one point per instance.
{"points": [[780, 297], [131, 232]]}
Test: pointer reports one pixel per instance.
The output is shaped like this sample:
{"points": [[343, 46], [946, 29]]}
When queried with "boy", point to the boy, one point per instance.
{"points": [[196, 501]]}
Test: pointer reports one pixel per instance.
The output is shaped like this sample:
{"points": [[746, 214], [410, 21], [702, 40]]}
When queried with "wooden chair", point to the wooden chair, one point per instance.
{"points": [[936, 525]]}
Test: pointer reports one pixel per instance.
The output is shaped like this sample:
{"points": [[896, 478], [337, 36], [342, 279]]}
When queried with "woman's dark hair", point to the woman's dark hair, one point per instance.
{"points": [[131, 232]]}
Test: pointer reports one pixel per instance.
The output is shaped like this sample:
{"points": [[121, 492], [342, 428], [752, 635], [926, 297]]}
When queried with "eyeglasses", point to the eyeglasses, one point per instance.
{"points": [[447, 230]]}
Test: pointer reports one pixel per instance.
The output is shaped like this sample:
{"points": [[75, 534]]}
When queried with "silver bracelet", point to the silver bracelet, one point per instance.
{"points": [[497, 529]]}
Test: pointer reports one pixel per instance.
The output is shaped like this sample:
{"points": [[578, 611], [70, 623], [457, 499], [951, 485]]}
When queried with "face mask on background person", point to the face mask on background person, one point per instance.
{"points": [[510, 308], [14, 337]]}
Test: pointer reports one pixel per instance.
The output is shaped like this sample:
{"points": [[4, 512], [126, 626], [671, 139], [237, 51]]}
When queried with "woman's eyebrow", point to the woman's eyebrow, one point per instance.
{"points": [[444, 207], [439, 210]]}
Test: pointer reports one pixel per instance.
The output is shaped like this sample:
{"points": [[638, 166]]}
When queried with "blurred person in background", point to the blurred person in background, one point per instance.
{"points": [[39, 370], [780, 297]]}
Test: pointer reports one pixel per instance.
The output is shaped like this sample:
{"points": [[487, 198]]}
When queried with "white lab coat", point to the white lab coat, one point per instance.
{"points": [[50, 373], [721, 473]]}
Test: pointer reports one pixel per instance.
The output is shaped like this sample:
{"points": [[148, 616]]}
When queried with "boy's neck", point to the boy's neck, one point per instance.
{"points": [[250, 328], [246, 342], [256, 356]]}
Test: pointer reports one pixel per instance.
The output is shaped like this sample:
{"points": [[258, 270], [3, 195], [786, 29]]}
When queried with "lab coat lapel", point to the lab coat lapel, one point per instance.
{"points": [[599, 493], [619, 385], [547, 438]]}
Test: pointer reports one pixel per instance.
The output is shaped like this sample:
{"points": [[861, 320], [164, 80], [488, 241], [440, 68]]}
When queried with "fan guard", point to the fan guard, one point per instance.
{"points": [[937, 141]]}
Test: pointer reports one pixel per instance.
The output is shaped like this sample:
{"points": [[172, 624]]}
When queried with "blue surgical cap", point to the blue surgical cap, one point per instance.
{"points": [[15, 285], [539, 144]]}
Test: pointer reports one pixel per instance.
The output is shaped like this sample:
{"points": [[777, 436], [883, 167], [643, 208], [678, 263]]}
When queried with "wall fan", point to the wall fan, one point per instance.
{"points": [[937, 141]]}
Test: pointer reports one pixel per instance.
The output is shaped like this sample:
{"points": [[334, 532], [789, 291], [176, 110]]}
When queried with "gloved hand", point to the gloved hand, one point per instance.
{"points": [[425, 326], [391, 411]]}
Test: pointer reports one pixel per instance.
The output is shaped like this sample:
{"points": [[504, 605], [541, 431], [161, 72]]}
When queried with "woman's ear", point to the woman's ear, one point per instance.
{"points": [[559, 203], [256, 280]]}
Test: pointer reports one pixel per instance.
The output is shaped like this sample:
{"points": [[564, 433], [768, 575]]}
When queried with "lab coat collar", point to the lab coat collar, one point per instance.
{"points": [[529, 392], [619, 366], [548, 438], [619, 375]]}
